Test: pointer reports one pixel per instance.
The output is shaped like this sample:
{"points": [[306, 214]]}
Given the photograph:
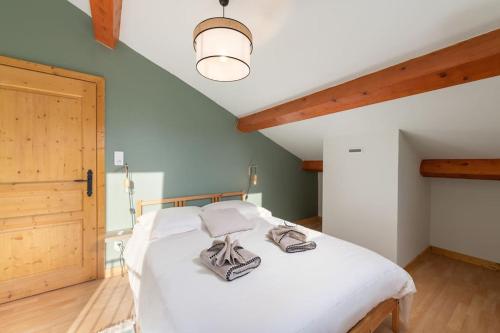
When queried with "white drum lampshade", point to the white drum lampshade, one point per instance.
{"points": [[223, 47]]}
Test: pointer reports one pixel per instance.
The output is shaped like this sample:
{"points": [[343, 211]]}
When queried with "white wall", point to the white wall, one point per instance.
{"points": [[360, 190], [378, 199], [465, 217], [413, 205], [320, 193]]}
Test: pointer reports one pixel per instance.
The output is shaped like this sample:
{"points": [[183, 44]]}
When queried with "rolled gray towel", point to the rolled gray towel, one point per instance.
{"points": [[290, 239], [229, 260]]}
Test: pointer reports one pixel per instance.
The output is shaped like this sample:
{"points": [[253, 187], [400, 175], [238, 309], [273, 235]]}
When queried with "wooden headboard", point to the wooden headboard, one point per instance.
{"points": [[181, 201]]}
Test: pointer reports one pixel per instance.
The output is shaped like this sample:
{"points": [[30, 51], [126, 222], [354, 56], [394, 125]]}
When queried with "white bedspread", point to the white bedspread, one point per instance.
{"points": [[328, 289]]}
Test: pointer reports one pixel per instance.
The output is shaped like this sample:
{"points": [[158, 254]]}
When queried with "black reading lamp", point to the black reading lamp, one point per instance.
{"points": [[128, 185]]}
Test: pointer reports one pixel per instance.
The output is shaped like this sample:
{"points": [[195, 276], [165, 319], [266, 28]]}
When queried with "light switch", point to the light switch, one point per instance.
{"points": [[119, 158]]}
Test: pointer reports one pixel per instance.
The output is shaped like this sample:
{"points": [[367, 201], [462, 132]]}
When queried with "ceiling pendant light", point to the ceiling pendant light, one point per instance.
{"points": [[223, 47]]}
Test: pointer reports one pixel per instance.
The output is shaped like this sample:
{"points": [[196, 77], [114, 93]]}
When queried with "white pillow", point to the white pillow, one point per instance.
{"points": [[221, 222], [170, 221], [245, 208]]}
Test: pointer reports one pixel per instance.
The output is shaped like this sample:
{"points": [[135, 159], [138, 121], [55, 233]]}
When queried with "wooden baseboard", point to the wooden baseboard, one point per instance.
{"points": [[495, 266], [415, 260]]}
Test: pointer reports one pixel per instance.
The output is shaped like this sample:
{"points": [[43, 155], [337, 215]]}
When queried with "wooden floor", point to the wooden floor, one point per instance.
{"points": [[452, 297], [314, 223], [87, 307]]}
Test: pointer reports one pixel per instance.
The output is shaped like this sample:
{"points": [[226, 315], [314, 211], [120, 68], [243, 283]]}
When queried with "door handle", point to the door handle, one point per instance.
{"points": [[89, 180]]}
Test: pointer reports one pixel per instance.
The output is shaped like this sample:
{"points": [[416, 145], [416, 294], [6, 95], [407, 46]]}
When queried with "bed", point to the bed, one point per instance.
{"points": [[338, 287]]}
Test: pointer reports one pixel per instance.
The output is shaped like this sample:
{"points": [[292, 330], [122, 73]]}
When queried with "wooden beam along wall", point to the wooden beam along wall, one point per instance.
{"points": [[106, 18], [474, 59], [487, 169], [314, 166]]}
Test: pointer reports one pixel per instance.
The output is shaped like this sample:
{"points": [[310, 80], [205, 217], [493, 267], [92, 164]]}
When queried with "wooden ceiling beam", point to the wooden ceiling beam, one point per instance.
{"points": [[314, 166], [106, 17], [488, 169], [474, 59]]}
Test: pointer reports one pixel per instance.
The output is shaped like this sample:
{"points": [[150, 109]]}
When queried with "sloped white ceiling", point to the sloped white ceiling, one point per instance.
{"points": [[458, 122], [304, 46]]}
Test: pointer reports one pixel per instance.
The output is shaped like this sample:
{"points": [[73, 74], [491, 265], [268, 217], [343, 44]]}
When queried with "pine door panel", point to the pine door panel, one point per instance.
{"points": [[42, 138], [48, 224]]}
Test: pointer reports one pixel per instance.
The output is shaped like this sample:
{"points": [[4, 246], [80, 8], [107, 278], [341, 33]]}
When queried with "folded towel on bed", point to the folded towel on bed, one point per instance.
{"points": [[229, 260], [290, 239]]}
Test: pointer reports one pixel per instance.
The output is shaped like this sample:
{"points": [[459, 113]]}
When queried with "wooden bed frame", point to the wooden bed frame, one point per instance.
{"points": [[181, 201], [368, 324], [376, 316]]}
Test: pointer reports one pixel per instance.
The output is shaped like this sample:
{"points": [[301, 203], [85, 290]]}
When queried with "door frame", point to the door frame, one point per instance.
{"points": [[100, 142]]}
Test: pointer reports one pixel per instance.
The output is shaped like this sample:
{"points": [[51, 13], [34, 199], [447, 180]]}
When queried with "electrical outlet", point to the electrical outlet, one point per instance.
{"points": [[117, 246]]}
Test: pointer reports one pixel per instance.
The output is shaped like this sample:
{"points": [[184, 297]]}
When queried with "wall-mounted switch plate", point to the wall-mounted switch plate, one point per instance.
{"points": [[119, 158]]}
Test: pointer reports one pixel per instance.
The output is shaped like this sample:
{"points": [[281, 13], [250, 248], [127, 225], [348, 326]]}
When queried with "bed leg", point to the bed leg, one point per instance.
{"points": [[395, 318]]}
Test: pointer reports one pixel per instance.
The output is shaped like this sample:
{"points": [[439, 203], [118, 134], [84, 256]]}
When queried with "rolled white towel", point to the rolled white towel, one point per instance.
{"points": [[290, 239], [229, 260]]}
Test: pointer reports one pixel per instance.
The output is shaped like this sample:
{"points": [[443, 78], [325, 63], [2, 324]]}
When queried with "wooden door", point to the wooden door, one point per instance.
{"points": [[48, 221]]}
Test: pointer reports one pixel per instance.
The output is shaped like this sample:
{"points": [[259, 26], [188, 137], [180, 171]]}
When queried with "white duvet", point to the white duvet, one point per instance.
{"points": [[328, 289]]}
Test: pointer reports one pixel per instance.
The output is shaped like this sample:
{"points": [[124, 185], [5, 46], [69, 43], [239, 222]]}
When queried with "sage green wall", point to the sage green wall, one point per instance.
{"points": [[176, 140]]}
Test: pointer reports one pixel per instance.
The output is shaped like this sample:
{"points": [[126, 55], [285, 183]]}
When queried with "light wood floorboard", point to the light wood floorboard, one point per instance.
{"points": [[314, 223], [452, 297], [87, 307]]}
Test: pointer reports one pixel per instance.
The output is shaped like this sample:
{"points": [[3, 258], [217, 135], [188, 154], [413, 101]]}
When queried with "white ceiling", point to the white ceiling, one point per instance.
{"points": [[304, 46], [458, 122]]}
